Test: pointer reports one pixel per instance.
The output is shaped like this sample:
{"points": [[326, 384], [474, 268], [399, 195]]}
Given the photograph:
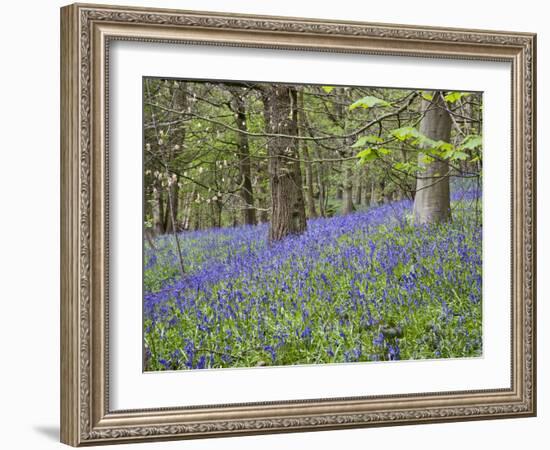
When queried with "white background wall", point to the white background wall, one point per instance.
{"points": [[29, 224]]}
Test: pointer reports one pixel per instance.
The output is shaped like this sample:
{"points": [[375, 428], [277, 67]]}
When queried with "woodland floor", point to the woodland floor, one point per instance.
{"points": [[367, 286]]}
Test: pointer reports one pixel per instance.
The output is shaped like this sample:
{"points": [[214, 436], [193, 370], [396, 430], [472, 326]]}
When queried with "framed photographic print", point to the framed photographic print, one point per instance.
{"points": [[279, 224]]}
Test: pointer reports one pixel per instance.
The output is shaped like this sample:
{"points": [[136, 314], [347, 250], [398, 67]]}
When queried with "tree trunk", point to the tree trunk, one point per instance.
{"points": [[197, 223], [432, 199], [218, 207], [387, 193], [263, 203], [310, 201], [373, 198], [172, 190], [172, 207], [366, 193], [186, 209], [247, 195], [321, 187], [287, 200], [312, 212], [158, 209], [347, 203], [359, 192], [382, 199]]}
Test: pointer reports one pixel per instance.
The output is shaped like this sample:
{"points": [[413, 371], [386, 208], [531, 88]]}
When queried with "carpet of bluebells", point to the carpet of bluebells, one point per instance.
{"points": [[369, 286]]}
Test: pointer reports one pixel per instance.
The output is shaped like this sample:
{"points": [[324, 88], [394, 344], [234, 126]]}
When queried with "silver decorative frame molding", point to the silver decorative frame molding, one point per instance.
{"points": [[86, 31]]}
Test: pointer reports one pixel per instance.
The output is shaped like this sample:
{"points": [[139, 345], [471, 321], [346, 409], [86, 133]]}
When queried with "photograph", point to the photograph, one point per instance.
{"points": [[296, 224]]}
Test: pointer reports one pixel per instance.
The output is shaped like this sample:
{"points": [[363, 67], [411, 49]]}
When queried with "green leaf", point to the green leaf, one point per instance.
{"points": [[459, 155], [471, 142], [364, 153], [441, 149], [327, 89], [368, 102], [444, 146], [447, 154], [370, 154], [369, 139], [454, 96], [426, 159], [405, 133], [406, 167], [426, 95], [367, 155]]}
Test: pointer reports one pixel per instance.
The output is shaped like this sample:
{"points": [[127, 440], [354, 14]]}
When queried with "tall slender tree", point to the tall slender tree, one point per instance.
{"points": [[158, 207], [347, 197], [239, 108], [308, 166], [432, 202]]}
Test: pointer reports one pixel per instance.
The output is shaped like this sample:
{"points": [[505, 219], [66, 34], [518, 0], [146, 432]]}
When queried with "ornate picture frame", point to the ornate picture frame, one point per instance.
{"points": [[87, 32]]}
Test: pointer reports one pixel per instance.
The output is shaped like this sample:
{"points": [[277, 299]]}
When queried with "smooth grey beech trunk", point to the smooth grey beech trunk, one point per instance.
{"points": [[432, 202]]}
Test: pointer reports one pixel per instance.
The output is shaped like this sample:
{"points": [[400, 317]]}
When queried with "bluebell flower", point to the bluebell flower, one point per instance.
{"points": [[201, 364], [306, 334], [271, 351]]}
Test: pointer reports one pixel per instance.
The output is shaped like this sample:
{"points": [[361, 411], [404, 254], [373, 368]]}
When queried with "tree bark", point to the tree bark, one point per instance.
{"points": [[246, 192], [310, 201], [373, 197], [158, 209], [365, 182], [263, 202], [218, 207], [322, 189], [312, 212], [347, 203], [359, 192], [172, 207], [172, 193], [287, 200], [339, 192], [432, 202]]}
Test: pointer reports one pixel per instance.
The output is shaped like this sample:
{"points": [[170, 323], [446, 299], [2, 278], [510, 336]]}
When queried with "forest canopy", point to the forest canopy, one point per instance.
{"points": [[221, 154]]}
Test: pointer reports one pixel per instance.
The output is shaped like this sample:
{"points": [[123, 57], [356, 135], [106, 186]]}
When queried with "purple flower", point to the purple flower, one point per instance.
{"points": [[306, 334], [202, 362], [271, 351]]}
